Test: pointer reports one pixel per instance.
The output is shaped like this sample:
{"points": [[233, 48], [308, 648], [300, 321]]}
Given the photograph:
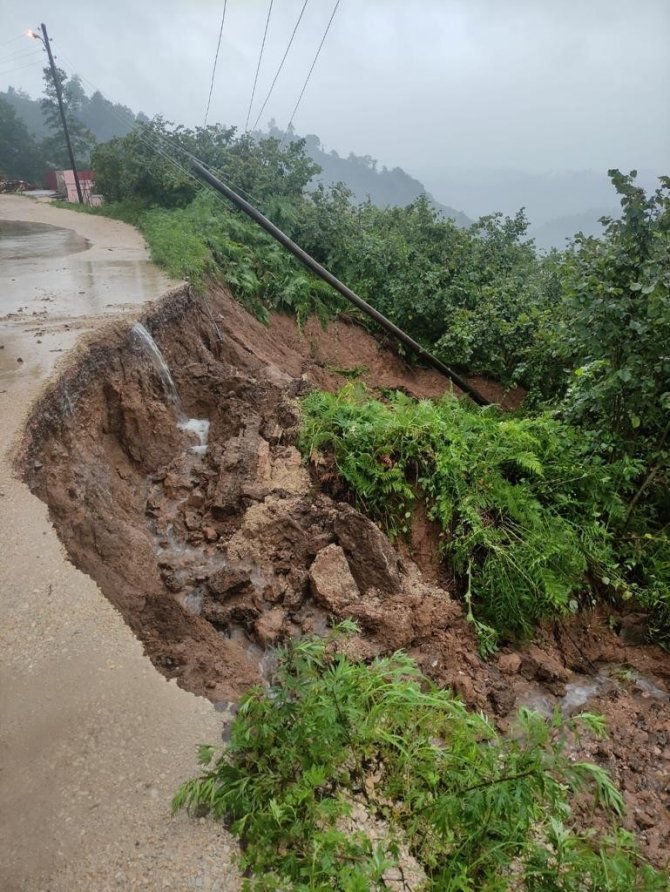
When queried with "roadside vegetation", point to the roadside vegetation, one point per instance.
{"points": [[341, 771], [561, 506], [356, 777]]}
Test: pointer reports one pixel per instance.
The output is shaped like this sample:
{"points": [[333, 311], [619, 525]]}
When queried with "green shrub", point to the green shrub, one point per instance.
{"points": [[528, 513], [427, 779]]}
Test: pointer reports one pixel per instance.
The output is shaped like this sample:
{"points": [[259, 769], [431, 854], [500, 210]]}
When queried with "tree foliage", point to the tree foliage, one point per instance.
{"points": [[20, 155], [54, 147]]}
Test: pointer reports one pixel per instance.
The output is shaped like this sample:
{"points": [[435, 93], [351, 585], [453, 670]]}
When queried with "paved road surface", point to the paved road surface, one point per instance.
{"points": [[93, 741]]}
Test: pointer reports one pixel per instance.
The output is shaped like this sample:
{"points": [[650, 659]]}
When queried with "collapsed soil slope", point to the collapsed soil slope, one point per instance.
{"points": [[213, 555]]}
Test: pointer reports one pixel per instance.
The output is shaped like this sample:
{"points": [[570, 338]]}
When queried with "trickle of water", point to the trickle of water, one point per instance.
{"points": [[67, 402], [161, 367], [577, 694], [194, 600], [197, 426]]}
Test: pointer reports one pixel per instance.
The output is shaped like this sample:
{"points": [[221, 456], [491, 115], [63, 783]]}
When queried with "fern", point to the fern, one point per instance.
{"points": [[529, 513]]}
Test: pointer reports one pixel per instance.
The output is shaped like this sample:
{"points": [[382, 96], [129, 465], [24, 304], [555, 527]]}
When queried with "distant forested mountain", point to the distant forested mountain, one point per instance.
{"points": [[103, 118], [556, 233], [360, 173]]}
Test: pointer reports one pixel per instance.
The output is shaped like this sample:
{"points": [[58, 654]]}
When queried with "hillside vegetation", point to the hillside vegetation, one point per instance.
{"points": [[558, 508], [353, 775]]}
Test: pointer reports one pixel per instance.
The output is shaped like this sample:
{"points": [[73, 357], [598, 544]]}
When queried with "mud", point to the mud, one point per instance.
{"points": [[215, 553]]}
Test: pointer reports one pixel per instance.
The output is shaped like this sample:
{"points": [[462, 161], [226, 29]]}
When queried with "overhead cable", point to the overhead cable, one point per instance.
{"points": [[13, 39], [309, 74], [24, 53], [258, 67], [216, 59], [281, 64], [20, 68]]}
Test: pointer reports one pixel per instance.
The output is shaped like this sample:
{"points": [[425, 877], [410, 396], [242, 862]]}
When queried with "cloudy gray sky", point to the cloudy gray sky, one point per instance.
{"points": [[528, 84]]}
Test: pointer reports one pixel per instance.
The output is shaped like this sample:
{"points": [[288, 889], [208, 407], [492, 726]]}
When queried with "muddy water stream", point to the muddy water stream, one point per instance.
{"points": [[582, 688]]}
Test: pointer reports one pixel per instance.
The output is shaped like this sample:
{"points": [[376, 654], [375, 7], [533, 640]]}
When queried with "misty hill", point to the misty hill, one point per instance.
{"points": [[383, 187], [106, 119], [558, 204], [103, 118], [555, 233]]}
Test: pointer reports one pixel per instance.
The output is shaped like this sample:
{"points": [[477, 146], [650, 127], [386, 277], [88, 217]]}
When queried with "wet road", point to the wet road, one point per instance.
{"points": [[54, 280], [93, 741]]}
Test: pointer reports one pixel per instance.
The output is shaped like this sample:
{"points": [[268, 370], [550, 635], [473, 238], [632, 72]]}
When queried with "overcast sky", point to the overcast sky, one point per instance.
{"points": [[535, 85]]}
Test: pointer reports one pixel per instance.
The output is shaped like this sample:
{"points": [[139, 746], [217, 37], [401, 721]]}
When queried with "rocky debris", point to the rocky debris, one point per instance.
{"points": [[228, 581], [373, 561], [244, 471], [332, 584], [409, 874], [288, 475], [212, 559], [269, 626], [502, 698], [634, 629], [509, 663], [537, 664]]}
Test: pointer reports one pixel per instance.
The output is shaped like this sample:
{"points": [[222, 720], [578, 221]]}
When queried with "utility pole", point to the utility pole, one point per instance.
{"points": [[313, 265], [59, 94]]}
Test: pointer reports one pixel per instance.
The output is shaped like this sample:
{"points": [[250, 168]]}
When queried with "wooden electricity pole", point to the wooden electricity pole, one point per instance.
{"points": [[59, 94]]}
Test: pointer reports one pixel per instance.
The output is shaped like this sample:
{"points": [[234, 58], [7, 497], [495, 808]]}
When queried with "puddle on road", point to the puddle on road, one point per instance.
{"points": [[20, 240], [48, 277]]}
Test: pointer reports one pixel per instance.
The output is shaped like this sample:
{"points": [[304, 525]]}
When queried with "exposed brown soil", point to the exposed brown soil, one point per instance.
{"points": [[212, 558]]}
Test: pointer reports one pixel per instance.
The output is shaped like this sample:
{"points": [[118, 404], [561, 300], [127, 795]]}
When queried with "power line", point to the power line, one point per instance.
{"points": [[21, 54], [281, 64], [216, 59], [258, 67], [309, 74], [20, 68], [13, 39]]}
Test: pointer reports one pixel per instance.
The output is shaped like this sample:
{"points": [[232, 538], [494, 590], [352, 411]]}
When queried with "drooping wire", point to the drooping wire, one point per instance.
{"points": [[309, 73], [216, 59], [281, 64], [258, 67]]}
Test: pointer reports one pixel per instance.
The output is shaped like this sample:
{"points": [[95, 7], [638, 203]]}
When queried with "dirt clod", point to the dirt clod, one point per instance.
{"points": [[333, 586]]}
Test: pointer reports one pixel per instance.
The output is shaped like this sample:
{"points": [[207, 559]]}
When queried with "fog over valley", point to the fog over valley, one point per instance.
{"points": [[490, 106]]}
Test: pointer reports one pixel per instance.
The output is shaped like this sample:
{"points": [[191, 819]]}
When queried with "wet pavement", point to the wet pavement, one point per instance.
{"points": [[93, 741], [54, 280]]}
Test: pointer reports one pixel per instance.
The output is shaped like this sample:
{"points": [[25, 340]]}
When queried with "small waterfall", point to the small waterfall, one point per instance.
{"points": [[161, 367], [197, 426]]}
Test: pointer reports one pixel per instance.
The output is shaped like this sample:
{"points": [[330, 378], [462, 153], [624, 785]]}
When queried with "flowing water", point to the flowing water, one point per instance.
{"points": [[161, 367], [583, 687], [199, 427]]}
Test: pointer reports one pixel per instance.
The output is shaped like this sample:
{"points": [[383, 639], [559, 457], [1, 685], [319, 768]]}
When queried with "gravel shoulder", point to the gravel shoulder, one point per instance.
{"points": [[93, 741]]}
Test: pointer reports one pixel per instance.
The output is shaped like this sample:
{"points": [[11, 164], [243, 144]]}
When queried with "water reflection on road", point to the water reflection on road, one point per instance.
{"points": [[20, 240], [51, 280]]}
